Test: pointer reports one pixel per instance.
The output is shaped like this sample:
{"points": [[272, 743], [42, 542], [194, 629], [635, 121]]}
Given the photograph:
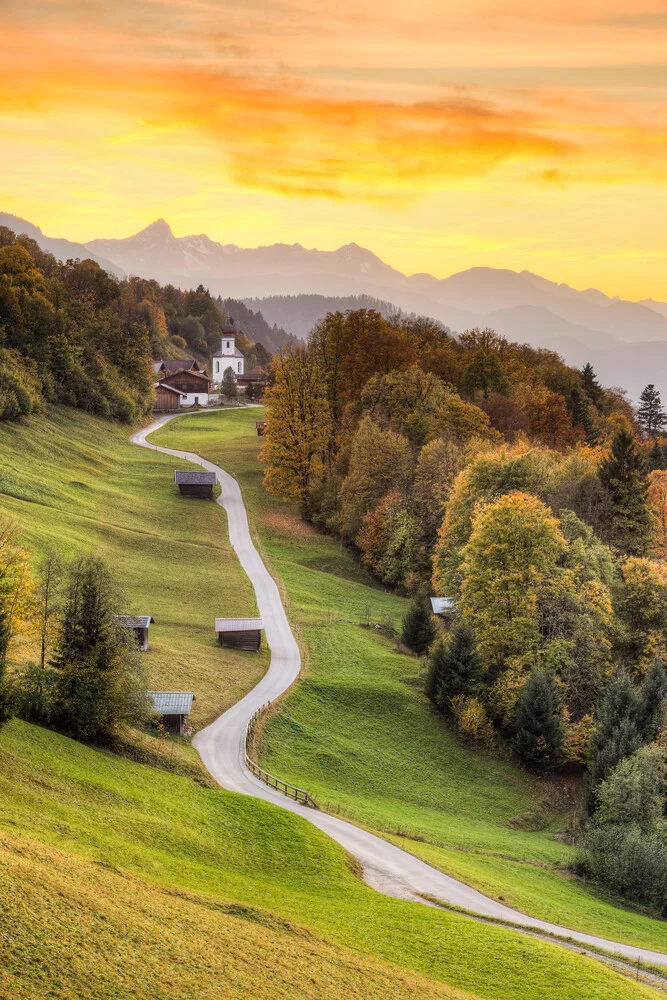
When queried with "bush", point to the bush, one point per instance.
{"points": [[472, 721], [627, 862]]}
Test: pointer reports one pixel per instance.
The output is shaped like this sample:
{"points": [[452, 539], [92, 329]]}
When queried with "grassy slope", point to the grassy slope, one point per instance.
{"points": [[119, 880], [76, 481], [359, 735]]}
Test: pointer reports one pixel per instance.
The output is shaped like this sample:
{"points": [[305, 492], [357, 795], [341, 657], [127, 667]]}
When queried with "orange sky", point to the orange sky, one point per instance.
{"points": [[439, 135]]}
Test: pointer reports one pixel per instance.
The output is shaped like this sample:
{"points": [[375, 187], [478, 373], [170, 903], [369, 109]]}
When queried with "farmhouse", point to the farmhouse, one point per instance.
{"points": [[443, 606], [253, 378], [192, 483], [239, 633], [173, 365], [228, 356], [195, 386], [139, 625], [173, 707], [167, 398]]}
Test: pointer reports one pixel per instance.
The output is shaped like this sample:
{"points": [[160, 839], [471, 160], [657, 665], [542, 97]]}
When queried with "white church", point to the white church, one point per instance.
{"points": [[228, 356]]}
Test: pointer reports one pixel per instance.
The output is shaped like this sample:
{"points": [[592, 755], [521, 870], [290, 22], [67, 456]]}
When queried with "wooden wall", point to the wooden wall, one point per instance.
{"points": [[241, 640]]}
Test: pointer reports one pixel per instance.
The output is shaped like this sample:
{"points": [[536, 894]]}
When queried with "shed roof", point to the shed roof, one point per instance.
{"points": [[441, 605], [135, 621], [192, 477], [169, 388], [172, 702], [238, 624]]}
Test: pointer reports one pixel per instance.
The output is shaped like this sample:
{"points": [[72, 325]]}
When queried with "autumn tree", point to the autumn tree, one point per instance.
{"points": [[539, 733], [650, 413], [390, 542], [379, 461], [16, 588], [298, 427], [484, 373], [642, 611], [438, 464], [657, 502], [48, 600], [514, 545], [405, 401], [623, 475]]}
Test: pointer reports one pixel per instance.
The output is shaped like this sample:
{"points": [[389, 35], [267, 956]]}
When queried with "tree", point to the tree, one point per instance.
{"points": [[642, 610], [650, 413], [580, 406], [100, 682], [616, 733], [379, 462], [418, 630], [229, 387], [47, 600], [455, 668], [514, 545], [634, 792], [651, 698], [623, 475], [485, 373], [298, 434], [390, 541], [657, 501], [539, 732], [250, 391], [591, 386]]}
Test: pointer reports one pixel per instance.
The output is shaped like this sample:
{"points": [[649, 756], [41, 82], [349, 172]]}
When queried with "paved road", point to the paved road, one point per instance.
{"points": [[386, 867]]}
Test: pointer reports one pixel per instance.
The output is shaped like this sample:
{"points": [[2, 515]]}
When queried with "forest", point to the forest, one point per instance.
{"points": [[536, 500]]}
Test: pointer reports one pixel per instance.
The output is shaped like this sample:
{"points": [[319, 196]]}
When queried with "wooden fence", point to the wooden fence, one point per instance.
{"points": [[291, 791]]}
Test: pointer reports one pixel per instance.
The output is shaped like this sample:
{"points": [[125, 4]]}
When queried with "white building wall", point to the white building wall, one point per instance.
{"points": [[189, 399]]}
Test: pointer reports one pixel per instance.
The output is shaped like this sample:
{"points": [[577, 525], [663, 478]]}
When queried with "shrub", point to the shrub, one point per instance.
{"points": [[471, 719]]}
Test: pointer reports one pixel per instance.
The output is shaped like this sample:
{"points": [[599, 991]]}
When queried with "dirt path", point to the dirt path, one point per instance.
{"points": [[221, 747]]}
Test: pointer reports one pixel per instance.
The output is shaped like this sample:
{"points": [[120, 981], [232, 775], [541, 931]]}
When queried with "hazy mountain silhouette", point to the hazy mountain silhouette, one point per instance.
{"points": [[62, 249]]}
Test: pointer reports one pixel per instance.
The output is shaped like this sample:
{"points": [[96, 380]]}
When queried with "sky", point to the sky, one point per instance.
{"points": [[440, 135]]}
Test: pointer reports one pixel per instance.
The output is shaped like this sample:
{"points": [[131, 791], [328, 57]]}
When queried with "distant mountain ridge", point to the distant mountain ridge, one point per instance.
{"points": [[62, 249], [521, 305]]}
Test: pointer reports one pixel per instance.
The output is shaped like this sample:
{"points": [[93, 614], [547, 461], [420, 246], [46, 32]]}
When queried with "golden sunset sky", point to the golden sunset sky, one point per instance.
{"points": [[440, 135]]}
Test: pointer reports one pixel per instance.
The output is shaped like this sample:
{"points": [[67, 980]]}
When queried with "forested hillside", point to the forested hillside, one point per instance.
{"points": [[534, 498], [300, 313]]}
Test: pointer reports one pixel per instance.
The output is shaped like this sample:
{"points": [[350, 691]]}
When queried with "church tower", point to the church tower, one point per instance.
{"points": [[228, 356]]}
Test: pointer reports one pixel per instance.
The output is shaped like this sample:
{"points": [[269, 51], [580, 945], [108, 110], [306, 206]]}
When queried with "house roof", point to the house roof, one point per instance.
{"points": [[238, 624], [234, 354], [174, 365], [135, 621], [190, 374], [157, 365], [172, 702], [170, 388], [441, 605], [192, 477]]}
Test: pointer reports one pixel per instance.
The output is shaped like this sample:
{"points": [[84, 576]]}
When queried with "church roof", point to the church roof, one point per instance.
{"points": [[236, 354]]}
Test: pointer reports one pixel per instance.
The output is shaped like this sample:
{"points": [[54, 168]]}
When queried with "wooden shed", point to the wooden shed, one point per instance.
{"points": [[139, 625], [167, 398], [261, 427], [173, 707], [239, 633], [194, 483]]}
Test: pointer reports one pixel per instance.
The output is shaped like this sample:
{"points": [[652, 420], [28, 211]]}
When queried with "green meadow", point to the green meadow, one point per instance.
{"points": [[358, 733]]}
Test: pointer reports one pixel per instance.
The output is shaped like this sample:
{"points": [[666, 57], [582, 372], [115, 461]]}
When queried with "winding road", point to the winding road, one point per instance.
{"points": [[221, 747]]}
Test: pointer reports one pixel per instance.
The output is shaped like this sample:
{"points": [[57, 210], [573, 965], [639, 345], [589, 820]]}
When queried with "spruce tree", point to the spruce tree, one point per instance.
{"points": [[651, 697], [579, 404], [623, 474], [418, 626], [650, 413], [456, 667], [616, 734], [590, 385], [538, 739], [229, 387], [656, 457]]}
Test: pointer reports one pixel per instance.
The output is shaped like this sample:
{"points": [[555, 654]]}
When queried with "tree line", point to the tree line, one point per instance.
{"points": [[532, 496]]}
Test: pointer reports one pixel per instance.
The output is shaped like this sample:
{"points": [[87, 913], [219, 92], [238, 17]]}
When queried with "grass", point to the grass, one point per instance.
{"points": [[358, 733], [75, 481], [122, 881]]}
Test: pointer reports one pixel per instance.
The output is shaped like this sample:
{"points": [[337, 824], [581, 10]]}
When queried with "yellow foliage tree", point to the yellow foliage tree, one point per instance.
{"points": [[657, 501]]}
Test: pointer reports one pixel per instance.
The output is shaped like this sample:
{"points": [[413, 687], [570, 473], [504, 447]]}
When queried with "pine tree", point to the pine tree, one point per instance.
{"points": [[590, 385], [579, 406], [651, 697], [650, 413], [657, 460], [229, 387], [455, 667], [623, 475], [418, 626], [539, 733], [616, 734]]}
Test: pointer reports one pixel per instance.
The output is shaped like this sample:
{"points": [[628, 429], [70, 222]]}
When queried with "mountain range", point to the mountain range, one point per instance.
{"points": [[626, 341]]}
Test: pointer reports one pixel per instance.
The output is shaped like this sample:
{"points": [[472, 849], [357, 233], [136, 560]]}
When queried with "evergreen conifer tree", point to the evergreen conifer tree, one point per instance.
{"points": [[579, 404], [418, 626], [656, 457], [650, 413], [456, 667], [590, 384], [229, 387], [538, 727], [616, 733], [651, 697], [623, 475]]}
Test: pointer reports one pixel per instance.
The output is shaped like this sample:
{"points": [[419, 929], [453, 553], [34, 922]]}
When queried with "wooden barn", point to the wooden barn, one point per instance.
{"points": [[239, 633], [139, 625], [261, 427], [195, 483], [195, 386], [173, 707], [167, 398]]}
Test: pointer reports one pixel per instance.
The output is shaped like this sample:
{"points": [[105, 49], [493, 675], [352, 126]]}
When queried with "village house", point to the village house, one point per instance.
{"points": [[167, 398], [173, 707], [172, 365], [228, 356], [138, 624], [195, 386]]}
